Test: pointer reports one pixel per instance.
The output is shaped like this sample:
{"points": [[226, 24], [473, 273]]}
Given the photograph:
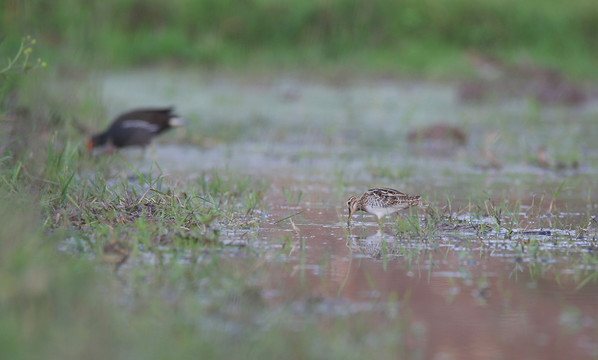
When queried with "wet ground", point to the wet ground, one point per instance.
{"points": [[504, 268]]}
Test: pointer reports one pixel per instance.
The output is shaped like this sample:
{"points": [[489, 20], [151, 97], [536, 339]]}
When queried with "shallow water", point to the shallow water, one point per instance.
{"points": [[473, 296], [474, 290]]}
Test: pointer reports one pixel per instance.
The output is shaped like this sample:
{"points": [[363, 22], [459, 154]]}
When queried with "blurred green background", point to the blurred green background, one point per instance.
{"points": [[423, 37]]}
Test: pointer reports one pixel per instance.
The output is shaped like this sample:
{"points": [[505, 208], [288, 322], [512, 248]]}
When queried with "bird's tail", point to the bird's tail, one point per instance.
{"points": [[176, 121]]}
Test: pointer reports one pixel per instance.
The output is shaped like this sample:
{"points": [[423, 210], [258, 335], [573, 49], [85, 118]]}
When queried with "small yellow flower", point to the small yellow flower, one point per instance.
{"points": [[39, 60], [44, 64], [28, 51], [33, 41]]}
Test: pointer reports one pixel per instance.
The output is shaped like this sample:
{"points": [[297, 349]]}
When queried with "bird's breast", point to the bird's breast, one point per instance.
{"points": [[380, 211]]}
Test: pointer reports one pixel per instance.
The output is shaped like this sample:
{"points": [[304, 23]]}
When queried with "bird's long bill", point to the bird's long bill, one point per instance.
{"points": [[349, 219]]}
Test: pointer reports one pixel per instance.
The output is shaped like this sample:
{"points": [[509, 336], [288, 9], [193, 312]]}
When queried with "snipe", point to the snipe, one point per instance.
{"points": [[382, 201]]}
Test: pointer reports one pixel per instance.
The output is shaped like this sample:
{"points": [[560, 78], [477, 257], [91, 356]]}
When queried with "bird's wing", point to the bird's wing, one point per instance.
{"points": [[140, 124], [386, 192]]}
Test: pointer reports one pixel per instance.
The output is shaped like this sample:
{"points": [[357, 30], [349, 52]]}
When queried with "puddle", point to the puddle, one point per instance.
{"points": [[505, 296], [477, 290]]}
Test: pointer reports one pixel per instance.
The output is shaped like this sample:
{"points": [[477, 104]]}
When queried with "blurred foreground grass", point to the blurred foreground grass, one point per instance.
{"points": [[409, 36]]}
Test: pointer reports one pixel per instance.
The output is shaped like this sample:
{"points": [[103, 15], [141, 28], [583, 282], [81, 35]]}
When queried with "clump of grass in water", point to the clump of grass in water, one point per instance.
{"points": [[129, 218], [292, 197]]}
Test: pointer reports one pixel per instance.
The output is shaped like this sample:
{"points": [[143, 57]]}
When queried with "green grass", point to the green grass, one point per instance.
{"points": [[407, 37], [292, 196]]}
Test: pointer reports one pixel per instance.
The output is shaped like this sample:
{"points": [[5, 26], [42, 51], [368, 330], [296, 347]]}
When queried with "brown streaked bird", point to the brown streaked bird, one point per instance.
{"points": [[136, 128], [382, 201]]}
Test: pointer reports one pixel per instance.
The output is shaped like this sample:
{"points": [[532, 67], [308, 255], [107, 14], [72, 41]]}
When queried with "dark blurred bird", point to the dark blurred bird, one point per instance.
{"points": [[136, 128]]}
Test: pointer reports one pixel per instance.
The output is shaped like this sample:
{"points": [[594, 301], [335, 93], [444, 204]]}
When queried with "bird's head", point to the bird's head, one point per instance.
{"points": [[90, 144], [95, 141], [353, 205]]}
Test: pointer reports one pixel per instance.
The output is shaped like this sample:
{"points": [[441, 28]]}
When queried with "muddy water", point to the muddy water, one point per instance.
{"points": [[471, 297], [516, 291]]}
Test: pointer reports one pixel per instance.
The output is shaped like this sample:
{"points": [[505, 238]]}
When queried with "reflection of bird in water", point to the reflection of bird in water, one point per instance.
{"points": [[136, 128], [375, 245], [382, 201]]}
